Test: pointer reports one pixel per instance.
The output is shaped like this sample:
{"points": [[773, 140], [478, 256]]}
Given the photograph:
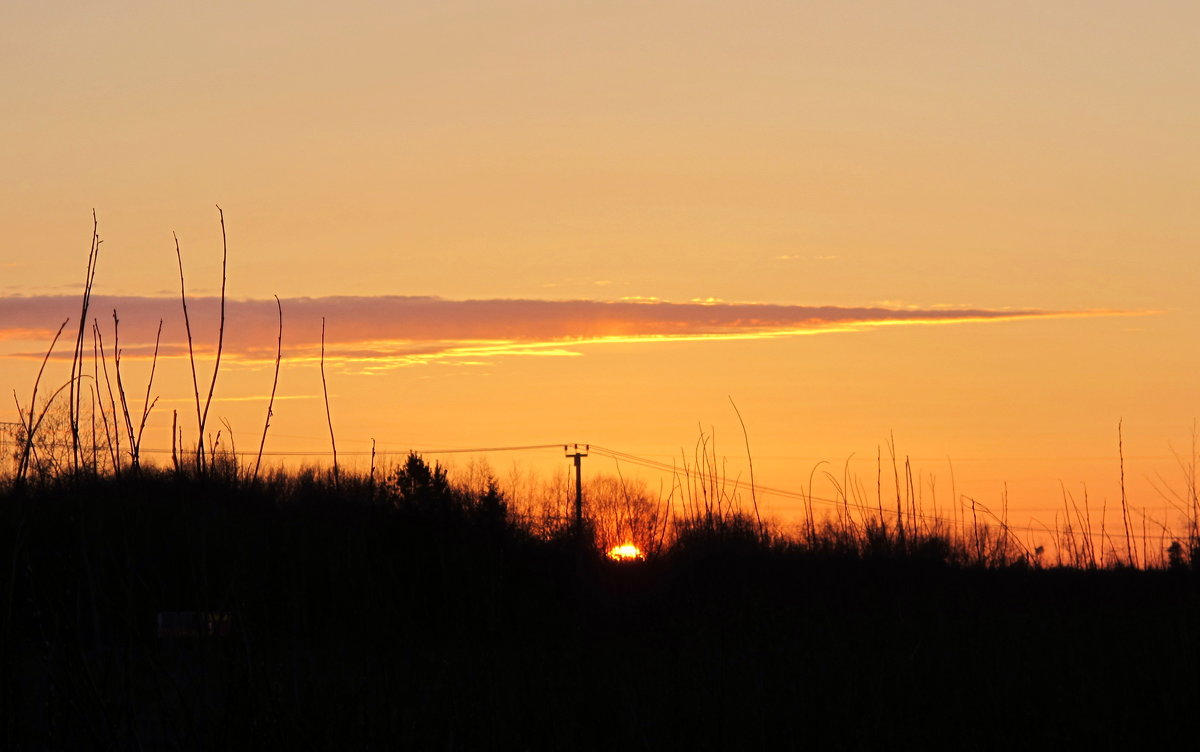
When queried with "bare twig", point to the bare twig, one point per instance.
{"points": [[92, 410], [233, 454], [30, 428], [41, 417]]}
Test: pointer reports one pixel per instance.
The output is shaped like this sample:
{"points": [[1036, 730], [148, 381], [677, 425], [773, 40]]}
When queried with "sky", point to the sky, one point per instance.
{"points": [[970, 226]]}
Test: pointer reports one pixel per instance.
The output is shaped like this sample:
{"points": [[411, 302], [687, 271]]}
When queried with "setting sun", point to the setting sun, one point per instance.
{"points": [[626, 552]]}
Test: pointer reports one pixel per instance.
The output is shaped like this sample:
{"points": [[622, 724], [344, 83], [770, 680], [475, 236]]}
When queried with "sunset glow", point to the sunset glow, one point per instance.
{"points": [[529, 374]]}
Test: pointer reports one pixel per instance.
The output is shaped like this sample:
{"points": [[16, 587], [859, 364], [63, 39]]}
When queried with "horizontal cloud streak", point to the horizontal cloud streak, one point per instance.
{"points": [[398, 330]]}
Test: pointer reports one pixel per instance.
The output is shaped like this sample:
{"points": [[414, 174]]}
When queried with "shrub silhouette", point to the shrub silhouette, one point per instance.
{"points": [[729, 533]]}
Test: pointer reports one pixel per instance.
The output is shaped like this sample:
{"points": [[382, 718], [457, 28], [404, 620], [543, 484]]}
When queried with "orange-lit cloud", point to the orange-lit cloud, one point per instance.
{"points": [[390, 331]]}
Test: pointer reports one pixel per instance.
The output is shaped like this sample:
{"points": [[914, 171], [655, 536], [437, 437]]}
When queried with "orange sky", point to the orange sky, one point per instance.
{"points": [[476, 193]]}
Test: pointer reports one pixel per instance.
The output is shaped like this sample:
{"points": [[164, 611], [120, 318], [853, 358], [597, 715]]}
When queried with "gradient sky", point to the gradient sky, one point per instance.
{"points": [[527, 170]]}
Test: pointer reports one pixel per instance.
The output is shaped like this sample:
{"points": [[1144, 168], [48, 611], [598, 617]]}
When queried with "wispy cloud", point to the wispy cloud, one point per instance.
{"points": [[383, 332], [246, 398]]}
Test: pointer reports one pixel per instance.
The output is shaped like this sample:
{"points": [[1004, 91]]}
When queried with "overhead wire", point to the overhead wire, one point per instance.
{"points": [[695, 471], [846, 502]]}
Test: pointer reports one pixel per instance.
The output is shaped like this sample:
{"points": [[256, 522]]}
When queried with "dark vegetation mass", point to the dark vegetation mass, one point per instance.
{"points": [[212, 603], [173, 610]]}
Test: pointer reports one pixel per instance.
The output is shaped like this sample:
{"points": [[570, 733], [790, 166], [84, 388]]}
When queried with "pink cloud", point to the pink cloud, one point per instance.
{"points": [[415, 328]]}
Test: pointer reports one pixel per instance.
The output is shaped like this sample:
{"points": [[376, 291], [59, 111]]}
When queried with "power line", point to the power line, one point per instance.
{"points": [[694, 472], [368, 453], [846, 502]]}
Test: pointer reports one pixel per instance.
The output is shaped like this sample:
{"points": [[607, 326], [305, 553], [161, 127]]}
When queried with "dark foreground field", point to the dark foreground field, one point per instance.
{"points": [[160, 613]]}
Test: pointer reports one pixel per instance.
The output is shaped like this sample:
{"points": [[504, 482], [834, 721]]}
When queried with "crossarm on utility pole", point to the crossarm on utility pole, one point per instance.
{"points": [[577, 455]]}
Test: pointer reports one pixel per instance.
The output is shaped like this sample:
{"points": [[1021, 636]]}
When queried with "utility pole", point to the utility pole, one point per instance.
{"points": [[578, 456]]}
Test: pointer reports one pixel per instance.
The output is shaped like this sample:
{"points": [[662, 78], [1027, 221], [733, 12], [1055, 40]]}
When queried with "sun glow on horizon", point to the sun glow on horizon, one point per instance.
{"points": [[626, 552]]}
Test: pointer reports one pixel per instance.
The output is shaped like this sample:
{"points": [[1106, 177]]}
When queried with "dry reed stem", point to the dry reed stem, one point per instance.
{"points": [[846, 485], [271, 402], [750, 460], [147, 404], [372, 460], [1195, 506], [221, 330], [1068, 536], [115, 449], [98, 401], [879, 484], [133, 458], [808, 497], [956, 503], [328, 416], [910, 496], [896, 480], [1130, 550], [187, 323], [202, 413], [75, 396], [1091, 544], [975, 531]]}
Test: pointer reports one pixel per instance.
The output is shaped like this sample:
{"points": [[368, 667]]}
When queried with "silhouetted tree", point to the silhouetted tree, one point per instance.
{"points": [[425, 489], [623, 511], [491, 508]]}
